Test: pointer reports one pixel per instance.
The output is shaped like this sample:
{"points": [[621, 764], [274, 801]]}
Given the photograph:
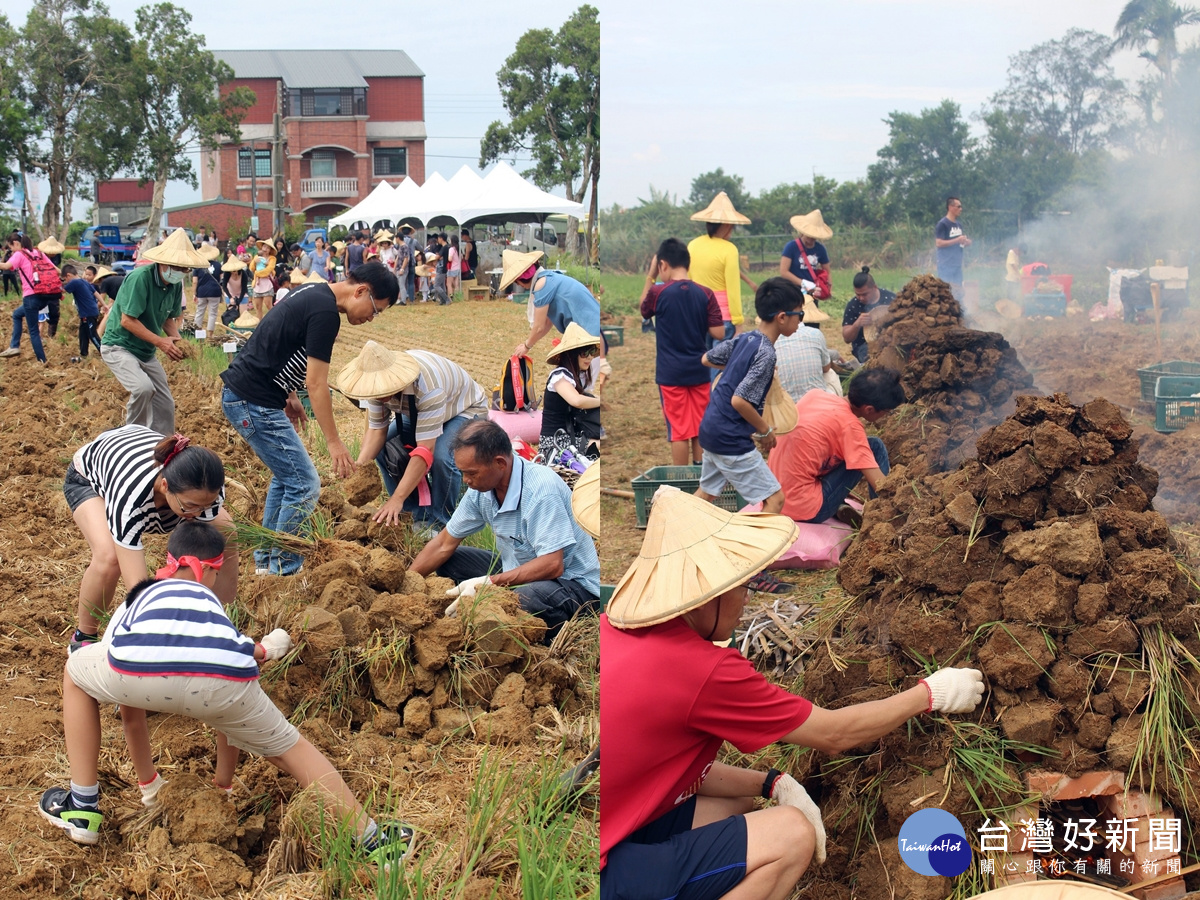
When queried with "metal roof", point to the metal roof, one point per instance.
{"points": [[320, 68]]}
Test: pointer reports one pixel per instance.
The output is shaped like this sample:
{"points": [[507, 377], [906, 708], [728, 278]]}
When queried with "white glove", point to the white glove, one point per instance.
{"points": [[954, 690], [276, 644], [465, 589], [789, 792]]}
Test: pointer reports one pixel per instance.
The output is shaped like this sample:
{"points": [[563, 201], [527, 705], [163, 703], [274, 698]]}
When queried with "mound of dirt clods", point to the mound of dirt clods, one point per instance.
{"points": [[1042, 563], [958, 381]]}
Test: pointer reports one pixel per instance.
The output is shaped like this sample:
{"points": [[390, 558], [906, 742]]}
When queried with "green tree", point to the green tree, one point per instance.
{"points": [[1065, 89], [709, 184], [1146, 22], [551, 90], [174, 100], [1022, 169], [927, 158], [15, 124], [73, 56]]}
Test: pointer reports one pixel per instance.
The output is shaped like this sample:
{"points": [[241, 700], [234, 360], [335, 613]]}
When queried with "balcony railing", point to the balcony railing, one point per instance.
{"points": [[328, 187]]}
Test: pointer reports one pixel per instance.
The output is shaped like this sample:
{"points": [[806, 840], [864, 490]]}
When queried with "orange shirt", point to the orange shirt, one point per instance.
{"points": [[826, 434]]}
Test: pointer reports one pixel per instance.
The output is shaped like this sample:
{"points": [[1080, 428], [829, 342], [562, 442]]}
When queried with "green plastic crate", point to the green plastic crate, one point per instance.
{"points": [[1036, 304], [1176, 402], [606, 592], [614, 334], [686, 478], [1149, 375]]}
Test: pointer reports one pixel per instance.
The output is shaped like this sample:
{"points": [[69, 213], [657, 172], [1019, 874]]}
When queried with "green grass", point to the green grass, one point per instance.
{"points": [[207, 360]]}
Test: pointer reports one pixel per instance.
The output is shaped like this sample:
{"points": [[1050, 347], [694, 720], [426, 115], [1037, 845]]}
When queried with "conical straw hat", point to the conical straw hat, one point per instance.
{"points": [[574, 337], [812, 225], [233, 264], [314, 278], [296, 277], [377, 372], [1051, 890], [103, 272], [720, 211], [814, 313], [50, 246], [515, 263], [176, 250], [246, 320], [779, 409], [1008, 309], [385, 237], [266, 246], [585, 500], [209, 252], [693, 551]]}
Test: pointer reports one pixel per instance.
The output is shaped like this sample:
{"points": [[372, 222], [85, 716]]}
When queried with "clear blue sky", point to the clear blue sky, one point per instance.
{"points": [[460, 47], [774, 91]]}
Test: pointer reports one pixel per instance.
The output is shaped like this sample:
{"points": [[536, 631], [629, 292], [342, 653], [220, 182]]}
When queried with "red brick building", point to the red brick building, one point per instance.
{"points": [[123, 202], [349, 119]]}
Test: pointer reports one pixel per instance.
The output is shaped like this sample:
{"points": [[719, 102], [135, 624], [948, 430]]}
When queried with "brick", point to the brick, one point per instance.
{"points": [[1131, 804], [1056, 786], [1165, 890]]}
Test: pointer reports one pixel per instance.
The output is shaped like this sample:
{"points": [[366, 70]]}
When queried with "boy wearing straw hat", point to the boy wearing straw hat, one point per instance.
{"points": [[144, 319], [543, 555], [676, 822]]}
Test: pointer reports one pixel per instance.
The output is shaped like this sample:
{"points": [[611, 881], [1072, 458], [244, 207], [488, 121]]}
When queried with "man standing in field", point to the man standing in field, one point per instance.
{"points": [[950, 240]]}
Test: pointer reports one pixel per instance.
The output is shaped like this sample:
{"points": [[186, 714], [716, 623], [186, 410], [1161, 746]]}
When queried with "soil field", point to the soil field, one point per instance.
{"points": [[458, 727]]}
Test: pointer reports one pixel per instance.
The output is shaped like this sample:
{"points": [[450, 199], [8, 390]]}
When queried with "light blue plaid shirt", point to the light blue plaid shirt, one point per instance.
{"points": [[800, 361], [534, 520]]}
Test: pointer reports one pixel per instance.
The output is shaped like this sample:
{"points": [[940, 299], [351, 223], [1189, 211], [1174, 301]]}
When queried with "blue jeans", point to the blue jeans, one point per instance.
{"points": [[27, 312], [839, 481], [710, 342], [445, 479], [295, 487]]}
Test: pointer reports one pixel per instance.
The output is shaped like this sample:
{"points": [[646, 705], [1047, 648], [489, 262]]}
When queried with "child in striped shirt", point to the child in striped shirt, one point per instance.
{"points": [[170, 647]]}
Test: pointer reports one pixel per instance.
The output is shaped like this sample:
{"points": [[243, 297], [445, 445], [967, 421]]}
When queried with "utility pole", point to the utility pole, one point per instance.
{"points": [[277, 158]]}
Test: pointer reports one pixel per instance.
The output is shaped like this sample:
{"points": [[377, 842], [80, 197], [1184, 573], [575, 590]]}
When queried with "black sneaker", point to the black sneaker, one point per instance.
{"points": [[81, 825], [79, 639], [393, 842], [769, 584]]}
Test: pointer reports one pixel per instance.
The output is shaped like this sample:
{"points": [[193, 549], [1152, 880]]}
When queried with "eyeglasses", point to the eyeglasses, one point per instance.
{"points": [[793, 312], [189, 510], [374, 309]]}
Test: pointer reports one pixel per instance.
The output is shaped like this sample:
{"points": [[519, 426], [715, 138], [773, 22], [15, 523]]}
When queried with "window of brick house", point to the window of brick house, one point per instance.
{"points": [[262, 163], [327, 102], [324, 164], [391, 161]]}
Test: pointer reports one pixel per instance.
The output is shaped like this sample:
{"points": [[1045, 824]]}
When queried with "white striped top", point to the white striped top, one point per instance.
{"points": [[444, 390], [178, 627], [120, 467]]}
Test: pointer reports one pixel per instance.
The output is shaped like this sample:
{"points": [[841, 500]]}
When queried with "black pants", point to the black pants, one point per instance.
{"points": [[87, 334], [8, 278], [51, 304], [554, 602]]}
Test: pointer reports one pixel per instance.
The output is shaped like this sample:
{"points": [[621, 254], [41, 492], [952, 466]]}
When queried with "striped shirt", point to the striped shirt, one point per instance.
{"points": [[178, 627], [534, 520], [120, 467], [444, 390]]}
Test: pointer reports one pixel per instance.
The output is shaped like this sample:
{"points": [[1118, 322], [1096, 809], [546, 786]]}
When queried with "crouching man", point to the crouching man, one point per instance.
{"points": [[676, 822], [543, 554]]}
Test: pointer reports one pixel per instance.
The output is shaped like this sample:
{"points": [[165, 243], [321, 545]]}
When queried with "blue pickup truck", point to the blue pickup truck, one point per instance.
{"points": [[115, 247], [308, 243]]}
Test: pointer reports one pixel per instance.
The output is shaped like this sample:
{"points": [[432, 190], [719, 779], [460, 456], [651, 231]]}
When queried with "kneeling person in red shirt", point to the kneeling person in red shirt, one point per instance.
{"points": [[675, 822], [828, 452]]}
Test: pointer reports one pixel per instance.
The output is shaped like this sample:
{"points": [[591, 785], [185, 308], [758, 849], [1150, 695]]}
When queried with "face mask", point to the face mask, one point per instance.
{"points": [[172, 276]]}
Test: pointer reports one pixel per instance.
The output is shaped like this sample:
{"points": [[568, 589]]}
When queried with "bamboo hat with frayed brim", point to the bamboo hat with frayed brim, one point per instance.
{"points": [[814, 313], [721, 212], [233, 264], [811, 225], [515, 264], [51, 247], [176, 250], [209, 252], [693, 551], [573, 338], [585, 500], [377, 372], [779, 409]]}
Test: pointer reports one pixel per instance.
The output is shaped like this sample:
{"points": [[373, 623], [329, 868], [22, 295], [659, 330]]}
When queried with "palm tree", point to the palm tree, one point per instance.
{"points": [[1144, 21]]}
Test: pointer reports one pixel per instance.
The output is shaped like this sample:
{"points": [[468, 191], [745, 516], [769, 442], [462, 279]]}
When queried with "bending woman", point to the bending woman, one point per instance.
{"points": [[130, 481]]}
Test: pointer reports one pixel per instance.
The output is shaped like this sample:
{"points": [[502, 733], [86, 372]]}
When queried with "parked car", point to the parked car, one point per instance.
{"points": [[135, 236], [115, 248], [537, 237], [309, 242]]}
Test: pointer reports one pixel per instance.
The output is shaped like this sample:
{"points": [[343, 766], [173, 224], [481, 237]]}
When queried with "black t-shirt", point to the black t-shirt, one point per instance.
{"points": [[275, 360], [109, 285], [854, 309]]}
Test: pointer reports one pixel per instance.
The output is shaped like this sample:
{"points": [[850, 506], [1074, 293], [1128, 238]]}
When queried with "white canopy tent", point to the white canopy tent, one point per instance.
{"points": [[502, 196]]}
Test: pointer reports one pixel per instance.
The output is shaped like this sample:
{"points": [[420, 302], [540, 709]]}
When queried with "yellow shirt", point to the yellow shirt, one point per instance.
{"points": [[715, 265], [1012, 267]]}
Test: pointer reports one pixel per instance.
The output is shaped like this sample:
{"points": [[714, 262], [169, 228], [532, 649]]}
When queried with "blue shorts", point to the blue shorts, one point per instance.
{"points": [[669, 860]]}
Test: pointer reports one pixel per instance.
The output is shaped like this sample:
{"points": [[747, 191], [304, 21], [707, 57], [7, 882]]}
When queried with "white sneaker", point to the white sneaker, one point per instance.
{"points": [[262, 570], [11, 351]]}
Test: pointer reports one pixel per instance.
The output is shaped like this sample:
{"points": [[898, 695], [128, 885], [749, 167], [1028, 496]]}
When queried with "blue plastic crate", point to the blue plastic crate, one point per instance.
{"points": [[1176, 402]]}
